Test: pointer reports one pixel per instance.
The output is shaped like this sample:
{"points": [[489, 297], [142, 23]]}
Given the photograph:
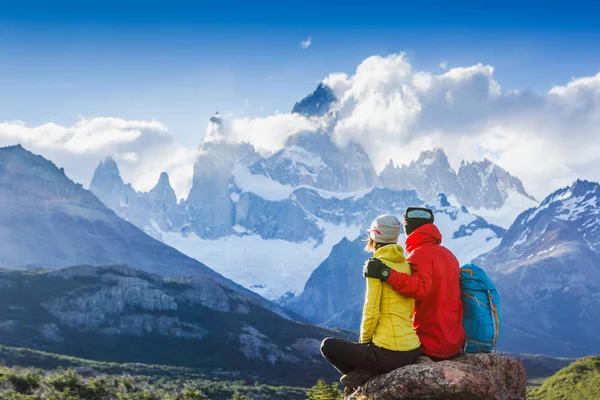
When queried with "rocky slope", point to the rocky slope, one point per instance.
{"points": [[124, 315]]}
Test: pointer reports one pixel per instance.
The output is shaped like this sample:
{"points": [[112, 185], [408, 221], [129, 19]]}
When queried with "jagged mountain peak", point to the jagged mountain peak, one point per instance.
{"points": [[583, 187], [108, 166], [576, 202], [16, 149], [569, 214], [214, 130], [107, 174], [317, 103], [436, 157], [580, 190], [313, 159], [163, 193], [163, 181], [23, 170], [477, 185], [17, 159]]}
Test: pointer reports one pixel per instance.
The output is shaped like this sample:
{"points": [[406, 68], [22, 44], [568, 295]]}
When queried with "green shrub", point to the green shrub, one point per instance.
{"points": [[33, 384], [323, 391]]}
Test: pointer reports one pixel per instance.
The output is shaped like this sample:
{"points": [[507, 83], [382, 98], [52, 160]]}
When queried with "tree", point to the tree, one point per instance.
{"points": [[323, 391]]}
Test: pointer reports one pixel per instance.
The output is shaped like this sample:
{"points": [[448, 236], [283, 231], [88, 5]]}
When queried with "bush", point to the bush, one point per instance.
{"points": [[32, 384], [323, 391]]}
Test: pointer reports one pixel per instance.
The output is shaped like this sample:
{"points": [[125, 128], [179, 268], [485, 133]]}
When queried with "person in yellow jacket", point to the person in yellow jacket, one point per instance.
{"points": [[387, 337]]}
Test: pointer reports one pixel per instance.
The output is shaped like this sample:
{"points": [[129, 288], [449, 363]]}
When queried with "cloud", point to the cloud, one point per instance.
{"points": [[305, 44], [267, 134], [444, 65], [393, 110], [144, 149]]}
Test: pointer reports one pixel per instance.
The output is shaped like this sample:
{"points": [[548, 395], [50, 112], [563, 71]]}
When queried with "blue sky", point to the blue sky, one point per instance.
{"points": [[179, 62]]}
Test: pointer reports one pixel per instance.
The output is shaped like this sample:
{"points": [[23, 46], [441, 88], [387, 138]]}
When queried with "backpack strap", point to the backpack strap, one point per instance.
{"points": [[493, 313]]}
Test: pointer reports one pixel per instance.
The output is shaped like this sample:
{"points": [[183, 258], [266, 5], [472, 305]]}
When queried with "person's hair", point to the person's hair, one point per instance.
{"points": [[373, 246]]}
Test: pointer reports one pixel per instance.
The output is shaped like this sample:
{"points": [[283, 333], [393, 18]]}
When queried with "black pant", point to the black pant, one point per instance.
{"points": [[348, 356]]}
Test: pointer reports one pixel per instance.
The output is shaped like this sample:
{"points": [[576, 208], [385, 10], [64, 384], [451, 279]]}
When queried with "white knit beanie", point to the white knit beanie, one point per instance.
{"points": [[385, 229]]}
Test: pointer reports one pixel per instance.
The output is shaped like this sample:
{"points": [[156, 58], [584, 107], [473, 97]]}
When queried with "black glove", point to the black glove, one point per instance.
{"points": [[375, 268]]}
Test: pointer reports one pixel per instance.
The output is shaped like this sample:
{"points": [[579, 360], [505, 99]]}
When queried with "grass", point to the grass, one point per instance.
{"points": [[578, 381]]}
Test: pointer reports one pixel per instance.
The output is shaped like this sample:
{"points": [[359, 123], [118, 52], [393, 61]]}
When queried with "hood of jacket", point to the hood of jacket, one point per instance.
{"points": [[426, 234], [393, 253]]}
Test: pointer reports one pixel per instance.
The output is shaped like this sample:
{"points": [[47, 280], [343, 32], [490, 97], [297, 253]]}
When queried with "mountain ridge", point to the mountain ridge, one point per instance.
{"points": [[119, 314], [56, 223]]}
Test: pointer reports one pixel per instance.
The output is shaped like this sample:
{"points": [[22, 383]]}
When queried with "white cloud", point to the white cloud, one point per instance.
{"points": [[391, 109], [395, 112], [130, 157], [144, 147], [444, 65], [266, 134], [305, 44]]}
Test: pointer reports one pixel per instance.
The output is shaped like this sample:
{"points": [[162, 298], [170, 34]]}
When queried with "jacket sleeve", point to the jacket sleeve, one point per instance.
{"points": [[371, 310], [417, 285]]}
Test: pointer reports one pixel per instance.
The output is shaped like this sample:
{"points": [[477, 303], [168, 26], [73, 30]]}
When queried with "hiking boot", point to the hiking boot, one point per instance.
{"points": [[349, 391], [355, 378]]}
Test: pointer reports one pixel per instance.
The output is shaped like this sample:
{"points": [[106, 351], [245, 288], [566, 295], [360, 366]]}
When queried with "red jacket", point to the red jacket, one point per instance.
{"points": [[435, 286]]}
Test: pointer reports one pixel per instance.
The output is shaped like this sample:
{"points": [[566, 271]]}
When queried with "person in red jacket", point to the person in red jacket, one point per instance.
{"points": [[434, 284]]}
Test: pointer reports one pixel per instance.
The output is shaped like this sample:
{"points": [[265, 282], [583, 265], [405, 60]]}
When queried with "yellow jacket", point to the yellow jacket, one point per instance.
{"points": [[387, 315]]}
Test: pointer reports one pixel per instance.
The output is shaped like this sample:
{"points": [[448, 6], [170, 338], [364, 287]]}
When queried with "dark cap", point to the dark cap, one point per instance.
{"points": [[415, 217]]}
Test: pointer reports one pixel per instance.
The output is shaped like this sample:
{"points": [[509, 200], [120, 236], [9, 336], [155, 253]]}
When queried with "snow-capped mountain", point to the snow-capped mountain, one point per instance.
{"points": [[484, 187], [267, 221], [48, 221], [153, 212], [313, 159], [334, 293], [275, 235], [547, 268], [429, 175]]}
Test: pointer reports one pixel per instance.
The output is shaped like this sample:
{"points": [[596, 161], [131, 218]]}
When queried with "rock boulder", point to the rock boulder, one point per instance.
{"points": [[470, 377]]}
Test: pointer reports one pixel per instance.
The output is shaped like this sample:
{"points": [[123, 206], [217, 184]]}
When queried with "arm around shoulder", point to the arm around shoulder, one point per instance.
{"points": [[418, 284]]}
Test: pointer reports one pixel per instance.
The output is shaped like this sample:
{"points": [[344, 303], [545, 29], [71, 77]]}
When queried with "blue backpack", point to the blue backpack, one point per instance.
{"points": [[481, 310]]}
